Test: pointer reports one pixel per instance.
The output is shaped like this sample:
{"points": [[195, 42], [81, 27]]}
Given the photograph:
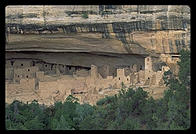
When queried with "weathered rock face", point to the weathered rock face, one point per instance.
{"points": [[54, 51], [140, 29]]}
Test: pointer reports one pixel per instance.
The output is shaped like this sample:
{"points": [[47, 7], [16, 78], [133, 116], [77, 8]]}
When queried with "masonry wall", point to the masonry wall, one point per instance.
{"points": [[22, 63], [63, 85], [28, 84], [24, 84], [105, 84], [153, 78], [28, 72], [95, 80], [84, 59], [49, 68], [40, 65], [141, 76], [148, 68], [148, 63], [121, 78], [134, 78]]}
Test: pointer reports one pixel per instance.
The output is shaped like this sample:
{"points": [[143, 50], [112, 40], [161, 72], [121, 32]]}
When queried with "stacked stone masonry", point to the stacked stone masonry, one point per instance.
{"points": [[55, 82]]}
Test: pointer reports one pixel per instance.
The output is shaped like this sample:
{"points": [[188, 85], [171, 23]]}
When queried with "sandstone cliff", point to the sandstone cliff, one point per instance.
{"points": [[127, 29]]}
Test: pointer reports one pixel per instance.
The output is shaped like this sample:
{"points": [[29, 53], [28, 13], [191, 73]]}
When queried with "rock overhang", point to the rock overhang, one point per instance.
{"points": [[55, 31]]}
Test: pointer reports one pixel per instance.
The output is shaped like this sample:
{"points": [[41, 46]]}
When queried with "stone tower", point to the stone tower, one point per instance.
{"points": [[148, 68], [148, 63]]}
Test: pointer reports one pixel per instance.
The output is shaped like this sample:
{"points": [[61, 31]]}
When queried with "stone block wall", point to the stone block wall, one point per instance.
{"points": [[24, 85], [27, 84], [121, 78], [49, 68], [153, 79], [148, 63], [59, 87], [63, 86], [22, 63], [46, 89], [141, 76], [28, 72]]}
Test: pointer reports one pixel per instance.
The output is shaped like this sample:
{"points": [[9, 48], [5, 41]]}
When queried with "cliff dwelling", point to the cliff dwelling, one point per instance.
{"points": [[54, 54], [51, 76]]}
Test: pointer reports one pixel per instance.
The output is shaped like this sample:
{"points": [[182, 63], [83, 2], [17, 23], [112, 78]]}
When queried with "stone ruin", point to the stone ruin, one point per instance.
{"points": [[28, 79], [52, 52]]}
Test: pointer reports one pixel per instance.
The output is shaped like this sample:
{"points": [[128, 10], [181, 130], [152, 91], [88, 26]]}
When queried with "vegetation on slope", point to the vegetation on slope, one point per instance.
{"points": [[129, 110]]}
